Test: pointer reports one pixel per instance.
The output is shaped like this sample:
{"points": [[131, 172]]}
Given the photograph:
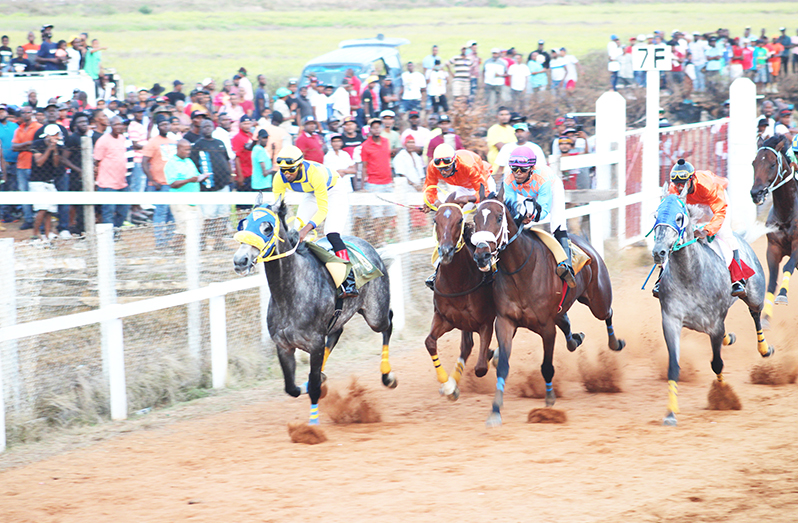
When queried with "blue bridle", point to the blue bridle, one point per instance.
{"points": [[669, 208]]}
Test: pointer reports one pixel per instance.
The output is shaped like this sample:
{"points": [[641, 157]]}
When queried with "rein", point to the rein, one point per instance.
{"points": [[502, 242], [784, 179], [264, 246], [482, 282], [461, 241]]}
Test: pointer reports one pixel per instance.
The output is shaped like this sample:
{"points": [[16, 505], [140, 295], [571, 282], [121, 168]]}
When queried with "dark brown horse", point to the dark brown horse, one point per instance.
{"points": [[528, 293], [463, 298], [773, 174]]}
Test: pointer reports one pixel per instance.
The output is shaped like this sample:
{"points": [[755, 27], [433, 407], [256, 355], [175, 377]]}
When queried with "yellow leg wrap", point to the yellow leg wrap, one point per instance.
{"points": [[458, 371], [673, 402], [439, 370], [726, 339], [326, 355], [767, 310], [761, 344], [785, 282], [720, 377], [385, 366]]}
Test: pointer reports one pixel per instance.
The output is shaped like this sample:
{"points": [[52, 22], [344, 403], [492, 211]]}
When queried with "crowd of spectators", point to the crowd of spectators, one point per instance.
{"points": [[227, 137], [706, 60]]}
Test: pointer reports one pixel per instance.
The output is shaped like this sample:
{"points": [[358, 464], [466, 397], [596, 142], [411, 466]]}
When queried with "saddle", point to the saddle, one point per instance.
{"points": [[359, 264], [578, 257]]}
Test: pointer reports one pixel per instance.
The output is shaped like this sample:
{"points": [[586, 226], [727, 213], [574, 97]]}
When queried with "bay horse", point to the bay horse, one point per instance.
{"points": [[463, 298], [774, 175], [695, 291], [302, 308], [528, 293]]}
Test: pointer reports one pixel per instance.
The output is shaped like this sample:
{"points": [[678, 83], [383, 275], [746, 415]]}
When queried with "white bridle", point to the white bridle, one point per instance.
{"points": [[773, 186], [489, 237]]}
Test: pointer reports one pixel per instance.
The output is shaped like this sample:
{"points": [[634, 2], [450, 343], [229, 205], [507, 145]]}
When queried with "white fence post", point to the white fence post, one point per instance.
{"points": [[742, 149], [610, 136], [113, 345], [218, 322], [396, 277], [8, 317], [650, 138], [192, 252]]}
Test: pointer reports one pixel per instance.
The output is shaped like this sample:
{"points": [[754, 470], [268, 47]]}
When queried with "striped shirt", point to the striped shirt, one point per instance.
{"points": [[462, 67]]}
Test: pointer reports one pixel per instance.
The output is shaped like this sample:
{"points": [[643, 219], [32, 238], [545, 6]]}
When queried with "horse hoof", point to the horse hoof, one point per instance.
{"points": [[448, 388], [323, 377], [304, 388], [480, 371], [389, 380], [494, 420], [770, 352], [323, 390], [731, 339], [313, 422], [781, 299], [295, 392], [670, 420], [621, 345], [454, 396], [550, 399], [576, 340]]}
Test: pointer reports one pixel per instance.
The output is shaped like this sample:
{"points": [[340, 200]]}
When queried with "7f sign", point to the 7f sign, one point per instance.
{"points": [[651, 58]]}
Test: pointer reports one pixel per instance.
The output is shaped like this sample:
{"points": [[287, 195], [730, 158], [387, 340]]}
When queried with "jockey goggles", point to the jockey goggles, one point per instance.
{"points": [[520, 168], [443, 162]]}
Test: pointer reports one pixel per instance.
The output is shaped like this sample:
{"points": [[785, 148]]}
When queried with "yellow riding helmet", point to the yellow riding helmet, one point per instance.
{"points": [[443, 156], [290, 157], [682, 171]]}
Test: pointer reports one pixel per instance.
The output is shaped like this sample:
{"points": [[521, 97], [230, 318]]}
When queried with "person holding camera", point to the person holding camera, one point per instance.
{"points": [[45, 168]]}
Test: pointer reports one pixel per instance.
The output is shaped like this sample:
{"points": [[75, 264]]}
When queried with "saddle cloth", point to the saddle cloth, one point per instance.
{"points": [[364, 270], [722, 249], [578, 257]]}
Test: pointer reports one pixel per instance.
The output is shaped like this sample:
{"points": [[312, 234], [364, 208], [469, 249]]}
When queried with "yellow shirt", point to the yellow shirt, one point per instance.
{"points": [[313, 178], [498, 133]]}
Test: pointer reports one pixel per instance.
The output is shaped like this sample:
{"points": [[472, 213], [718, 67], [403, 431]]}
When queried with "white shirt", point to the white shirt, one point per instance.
{"points": [[224, 137], [557, 66], [338, 161], [503, 157], [74, 59], [413, 83], [319, 104], [614, 52], [340, 102], [410, 165], [494, 72], [570, 67], [245, 86], [422, 136], [436, 85], [518, 76]]}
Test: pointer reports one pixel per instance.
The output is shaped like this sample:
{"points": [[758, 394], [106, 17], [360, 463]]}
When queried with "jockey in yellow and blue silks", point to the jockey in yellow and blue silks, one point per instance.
{"points": [[536, 192], [324, 201]]}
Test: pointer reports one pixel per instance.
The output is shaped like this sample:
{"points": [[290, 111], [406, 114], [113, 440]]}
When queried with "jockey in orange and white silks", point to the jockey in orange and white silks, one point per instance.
{"points": [[704, 188], [463, 170]]}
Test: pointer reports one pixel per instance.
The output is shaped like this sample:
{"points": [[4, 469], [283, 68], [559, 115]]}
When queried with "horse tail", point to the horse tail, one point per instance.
{"points": [[756, 231]]}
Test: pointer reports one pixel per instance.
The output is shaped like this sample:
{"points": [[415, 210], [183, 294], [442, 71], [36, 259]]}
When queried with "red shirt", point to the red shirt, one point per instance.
{"points": [[748, 58], [435, 142], [678, 58], [244, 156], [312, 146], [378, 161]]}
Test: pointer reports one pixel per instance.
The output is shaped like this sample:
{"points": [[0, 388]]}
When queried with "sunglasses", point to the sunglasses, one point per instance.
{"points": [[290, 168], [443, 162], [519, 169]]}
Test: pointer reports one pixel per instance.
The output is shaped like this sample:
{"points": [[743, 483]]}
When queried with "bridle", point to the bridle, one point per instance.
{"points": [[502, 241], [679, 244], [775, 184], [250, 234], [460, 241]]}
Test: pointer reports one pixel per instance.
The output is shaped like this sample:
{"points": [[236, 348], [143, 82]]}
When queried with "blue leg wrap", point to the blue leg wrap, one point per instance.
{"points": [[549, 387], [500, 384], [314, 414], [610, 331]]}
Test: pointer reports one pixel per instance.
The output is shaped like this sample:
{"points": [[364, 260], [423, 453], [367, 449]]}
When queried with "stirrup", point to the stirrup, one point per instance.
{"points": [[655, 290], [738, 289], [566, 272], [430, 283], [348, 288]]}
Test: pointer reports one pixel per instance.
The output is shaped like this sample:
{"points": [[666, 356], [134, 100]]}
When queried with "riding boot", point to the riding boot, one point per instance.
{"points": [[348, 287], [738, 287], [564, 269], [430, 283], [655, 290]]}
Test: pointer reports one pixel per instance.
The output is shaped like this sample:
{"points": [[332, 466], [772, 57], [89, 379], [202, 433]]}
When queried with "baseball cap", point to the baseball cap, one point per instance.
{"points": [[372, 78], [207, 81], [782, 29], [282, 91], [641, 38], [613, 37], [444, 118], [177, 82], [161, 118], [51, 104], [541, 42], [4, 107], [763, 122], [136, 109], [515, 117], [569, 130], [785, 112], [195, 114], [407, 138], [263, 133], [246, 118], [308, 119], [47, 26], [374, 120], [495, 50], [559, 121], [388, 113], [336, 136], [293, 81], [348, 119], [144, 90], [412, 114], [51, 130], [521, 125], [470, 43]]}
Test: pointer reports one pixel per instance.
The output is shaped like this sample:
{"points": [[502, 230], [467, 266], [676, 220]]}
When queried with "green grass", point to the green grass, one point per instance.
{"points": [[190, 45]]}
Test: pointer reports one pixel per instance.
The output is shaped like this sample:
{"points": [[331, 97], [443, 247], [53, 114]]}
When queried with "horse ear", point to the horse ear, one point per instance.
{"points": [[759, 142], [780, 146], [259, 199], [451, 197], [481, 192], [500, 195]]}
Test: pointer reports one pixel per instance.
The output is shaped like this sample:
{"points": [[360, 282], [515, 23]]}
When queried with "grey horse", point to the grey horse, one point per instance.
{"points": [[302, 309], [695, 291]]}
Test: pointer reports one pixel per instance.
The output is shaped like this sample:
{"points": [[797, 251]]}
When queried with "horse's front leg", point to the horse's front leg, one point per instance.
{"points": [[672, 329], [505, 331], [314, 381], [485, 335], [785, 276], [288, 364], [439, 327], [773, 260], [549, 336], [761, 344]]}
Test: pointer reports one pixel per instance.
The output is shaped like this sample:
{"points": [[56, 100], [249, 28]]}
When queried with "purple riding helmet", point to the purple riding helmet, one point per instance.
{"points": [[522, 157]]}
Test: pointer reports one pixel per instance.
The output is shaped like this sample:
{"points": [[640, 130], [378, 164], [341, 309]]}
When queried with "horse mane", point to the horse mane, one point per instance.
{"points": [[775, 140], [468, 230], [697, 213], [292, 237]]}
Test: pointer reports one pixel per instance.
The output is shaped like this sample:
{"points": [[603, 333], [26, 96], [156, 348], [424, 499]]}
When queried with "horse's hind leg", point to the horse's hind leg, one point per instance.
{"points": [[288, 364], [388, 378], [773, 259], [761, 345], [614, 343], [785, 277], [505, 331], [717, 362], [547, 368], [573, 340], [599, 300]]}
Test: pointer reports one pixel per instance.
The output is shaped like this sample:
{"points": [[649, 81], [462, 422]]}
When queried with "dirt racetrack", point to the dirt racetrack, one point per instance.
{"points": [[429, 459]]}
